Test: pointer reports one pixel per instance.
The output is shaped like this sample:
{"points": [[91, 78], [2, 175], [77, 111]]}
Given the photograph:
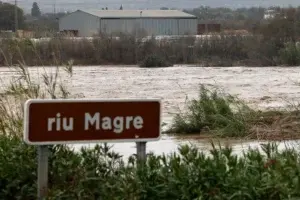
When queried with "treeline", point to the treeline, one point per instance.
{"points": [[35, 21], [223, 13], [242, 18], [222, 50], [7, 16]]}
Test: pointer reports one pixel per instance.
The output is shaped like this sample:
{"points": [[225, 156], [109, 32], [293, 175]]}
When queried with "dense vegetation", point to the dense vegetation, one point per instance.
{"points": [[7, 17], [98, 173], [218, 114], [221, 50]]}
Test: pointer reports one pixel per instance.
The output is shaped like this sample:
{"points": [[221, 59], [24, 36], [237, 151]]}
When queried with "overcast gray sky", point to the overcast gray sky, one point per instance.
{"points": [[62, 5]]}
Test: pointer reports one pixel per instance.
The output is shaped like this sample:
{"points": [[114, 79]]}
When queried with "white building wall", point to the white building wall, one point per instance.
{"points": [[86, 24], [151, 26], [89, 25], [187, 26], [110, 26]]}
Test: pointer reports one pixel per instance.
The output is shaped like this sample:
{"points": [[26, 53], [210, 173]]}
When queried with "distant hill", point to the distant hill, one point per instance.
{"points": [[65, 5]]}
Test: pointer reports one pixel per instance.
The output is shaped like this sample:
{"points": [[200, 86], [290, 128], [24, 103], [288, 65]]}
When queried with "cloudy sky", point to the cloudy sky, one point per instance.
{"points": [[70, 5]]}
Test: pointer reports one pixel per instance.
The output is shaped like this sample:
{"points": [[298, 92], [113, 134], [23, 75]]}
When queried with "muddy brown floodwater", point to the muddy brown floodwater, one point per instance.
{"points": [[263, 88]]}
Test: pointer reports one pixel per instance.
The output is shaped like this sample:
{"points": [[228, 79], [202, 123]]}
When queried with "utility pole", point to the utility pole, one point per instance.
{"points": [[16, 17], [54, 7]]}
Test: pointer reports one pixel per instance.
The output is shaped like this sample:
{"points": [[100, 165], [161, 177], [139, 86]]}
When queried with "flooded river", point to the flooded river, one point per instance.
{"points": [[264, 88]]}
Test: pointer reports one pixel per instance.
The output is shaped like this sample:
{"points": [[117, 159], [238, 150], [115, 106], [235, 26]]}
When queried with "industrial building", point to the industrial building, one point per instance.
{"points": [[88, 23]]}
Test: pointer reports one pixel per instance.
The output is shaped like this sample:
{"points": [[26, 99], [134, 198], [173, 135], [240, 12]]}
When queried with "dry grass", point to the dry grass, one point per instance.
{"points": [[26, 86], [276, 126]]}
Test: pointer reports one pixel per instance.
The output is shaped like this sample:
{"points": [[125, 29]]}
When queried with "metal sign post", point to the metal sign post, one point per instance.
{"points": [[42, 183], [141, 151]]}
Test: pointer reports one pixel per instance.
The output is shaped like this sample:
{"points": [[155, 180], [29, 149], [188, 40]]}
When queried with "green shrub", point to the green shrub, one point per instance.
{"points": [[98, 173], [17, 169], [290, 54], [219, 113], [154, 60], [69, 172]]}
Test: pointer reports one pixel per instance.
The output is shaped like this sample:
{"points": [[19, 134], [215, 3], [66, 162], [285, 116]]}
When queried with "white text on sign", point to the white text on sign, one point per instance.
{"points": [[117, 124]]}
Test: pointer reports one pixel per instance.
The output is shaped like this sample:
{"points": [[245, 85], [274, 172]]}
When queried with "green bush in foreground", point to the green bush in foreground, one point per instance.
{"points": [[98, 173]]}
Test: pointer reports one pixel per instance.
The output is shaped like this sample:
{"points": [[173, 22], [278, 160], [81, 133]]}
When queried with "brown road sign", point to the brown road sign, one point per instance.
{"points": [[68, 121]]}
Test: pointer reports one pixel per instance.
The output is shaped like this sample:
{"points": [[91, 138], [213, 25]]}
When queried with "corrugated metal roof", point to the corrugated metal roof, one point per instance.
{"points": [[138, 13]]}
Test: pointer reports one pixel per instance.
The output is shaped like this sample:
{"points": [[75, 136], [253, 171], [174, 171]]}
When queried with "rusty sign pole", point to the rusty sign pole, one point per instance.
{"points": [[141, 151], [42, 183]]}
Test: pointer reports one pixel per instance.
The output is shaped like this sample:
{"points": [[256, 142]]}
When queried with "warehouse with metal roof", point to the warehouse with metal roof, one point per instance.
{"points": [[88, 23]]}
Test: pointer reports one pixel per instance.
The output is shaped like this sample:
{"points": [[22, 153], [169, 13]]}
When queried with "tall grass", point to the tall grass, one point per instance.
{"points": [[25, 86], [218, 50]]}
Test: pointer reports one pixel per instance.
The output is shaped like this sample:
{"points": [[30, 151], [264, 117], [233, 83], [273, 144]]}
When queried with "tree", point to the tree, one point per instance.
{"points": [[121, 8], [7, 17], [47, 23], [35, 10]]}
